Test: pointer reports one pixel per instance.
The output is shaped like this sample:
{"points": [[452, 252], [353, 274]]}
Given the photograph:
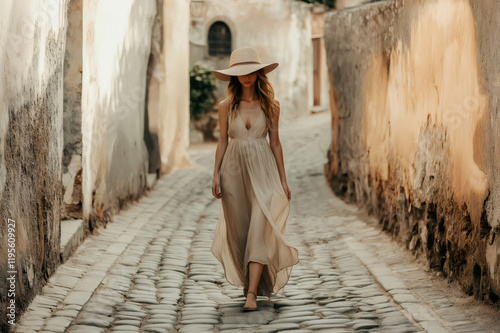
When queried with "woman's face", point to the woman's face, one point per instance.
{"points": [[248, 80]]}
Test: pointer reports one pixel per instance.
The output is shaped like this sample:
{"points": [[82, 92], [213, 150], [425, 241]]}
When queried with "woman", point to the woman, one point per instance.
{"points": [[250, 180]]}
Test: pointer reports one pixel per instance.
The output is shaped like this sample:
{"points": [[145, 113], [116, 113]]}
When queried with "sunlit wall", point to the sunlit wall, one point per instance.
{"points": [[418, 129], [116, 48]]}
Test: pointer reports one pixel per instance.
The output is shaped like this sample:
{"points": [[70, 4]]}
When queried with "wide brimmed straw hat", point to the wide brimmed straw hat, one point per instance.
{"points": [[243, 61]]}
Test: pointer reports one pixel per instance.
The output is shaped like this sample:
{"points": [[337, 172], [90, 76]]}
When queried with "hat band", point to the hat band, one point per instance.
{"points": [[245, 63]]}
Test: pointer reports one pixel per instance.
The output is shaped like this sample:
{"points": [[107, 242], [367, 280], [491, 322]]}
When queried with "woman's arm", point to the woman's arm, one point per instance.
{"points": [[277, 150], [221, 146]]}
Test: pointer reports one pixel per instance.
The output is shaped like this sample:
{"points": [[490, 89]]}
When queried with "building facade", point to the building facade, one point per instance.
{"points": [[285, 31]]}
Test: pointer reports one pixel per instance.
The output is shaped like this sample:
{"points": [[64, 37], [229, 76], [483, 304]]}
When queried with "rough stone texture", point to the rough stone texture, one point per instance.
{"points": [[31, 109], [415, 128]]}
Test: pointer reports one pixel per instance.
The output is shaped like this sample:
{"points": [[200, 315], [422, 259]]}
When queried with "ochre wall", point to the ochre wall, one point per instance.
{"points": [[416, 128]]}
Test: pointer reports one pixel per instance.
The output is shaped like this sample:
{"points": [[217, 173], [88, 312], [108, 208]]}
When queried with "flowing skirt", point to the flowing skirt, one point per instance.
{"points": [[253, 214]]}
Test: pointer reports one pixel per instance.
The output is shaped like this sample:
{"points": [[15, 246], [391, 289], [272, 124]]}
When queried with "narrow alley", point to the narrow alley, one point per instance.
{"points": [[389, 120], [151, 269]]}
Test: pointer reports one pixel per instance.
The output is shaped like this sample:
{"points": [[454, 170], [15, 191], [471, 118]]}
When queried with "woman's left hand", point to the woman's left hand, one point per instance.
{"points": [[287, 190]]}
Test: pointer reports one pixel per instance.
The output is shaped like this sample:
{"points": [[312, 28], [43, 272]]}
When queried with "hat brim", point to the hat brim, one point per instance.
{"points": [[225, 74]]}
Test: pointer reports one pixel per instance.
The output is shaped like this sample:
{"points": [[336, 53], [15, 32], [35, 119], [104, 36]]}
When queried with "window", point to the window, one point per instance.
{"points": [[219, 39]]}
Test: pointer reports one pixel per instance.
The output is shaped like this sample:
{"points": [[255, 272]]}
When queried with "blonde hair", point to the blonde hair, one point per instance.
{"points": [[265, 93]]}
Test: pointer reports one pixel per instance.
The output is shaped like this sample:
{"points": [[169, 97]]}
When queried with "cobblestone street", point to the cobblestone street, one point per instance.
{"points": [[151, 269]]}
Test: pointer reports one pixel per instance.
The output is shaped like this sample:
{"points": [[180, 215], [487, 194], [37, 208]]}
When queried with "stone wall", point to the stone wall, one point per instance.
{"points": [[416, 128], [32, 48]]}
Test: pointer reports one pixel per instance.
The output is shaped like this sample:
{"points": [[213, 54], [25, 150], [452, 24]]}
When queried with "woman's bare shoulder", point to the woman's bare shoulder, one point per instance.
{"points": [[224, 103], [224, 107]]}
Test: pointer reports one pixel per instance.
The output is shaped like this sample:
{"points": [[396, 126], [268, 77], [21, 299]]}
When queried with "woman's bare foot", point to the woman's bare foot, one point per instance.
{"points": [[245, 290], [251, 302]]}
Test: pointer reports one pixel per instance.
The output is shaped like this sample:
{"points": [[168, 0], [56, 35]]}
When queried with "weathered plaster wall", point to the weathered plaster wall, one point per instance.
{"points": [[487, 22], [72, 155], [317, 31], [416, 125], [173, 106], [155, 76], [116, 49], [73, 85], [32, 46], [280, 30]]}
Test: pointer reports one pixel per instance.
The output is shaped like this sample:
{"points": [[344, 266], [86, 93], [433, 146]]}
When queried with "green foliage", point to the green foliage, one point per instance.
{"points": [[329, 3], [202, 84]]}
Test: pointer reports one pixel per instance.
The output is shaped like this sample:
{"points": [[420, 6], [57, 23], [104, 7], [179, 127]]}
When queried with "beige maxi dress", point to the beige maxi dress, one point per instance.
{"points": [[254, 210]]}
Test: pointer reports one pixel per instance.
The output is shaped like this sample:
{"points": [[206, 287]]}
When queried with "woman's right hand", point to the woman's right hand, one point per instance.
{"points": [[216, 190]]}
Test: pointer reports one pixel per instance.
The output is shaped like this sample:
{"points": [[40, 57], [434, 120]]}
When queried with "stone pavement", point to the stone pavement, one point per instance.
{"points": [[151, 269]]}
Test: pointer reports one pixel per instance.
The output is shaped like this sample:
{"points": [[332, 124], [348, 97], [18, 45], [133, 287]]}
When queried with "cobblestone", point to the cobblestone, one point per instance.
{"points": [[151, 268]]}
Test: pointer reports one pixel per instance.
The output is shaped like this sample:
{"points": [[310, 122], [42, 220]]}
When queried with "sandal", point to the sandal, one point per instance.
{"points": [[251, 309]]}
